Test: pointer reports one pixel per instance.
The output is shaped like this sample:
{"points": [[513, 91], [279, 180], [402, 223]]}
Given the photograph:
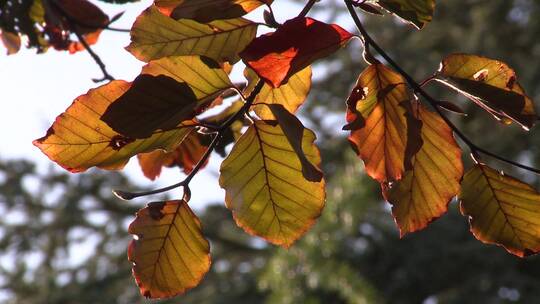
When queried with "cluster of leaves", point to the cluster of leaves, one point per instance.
{"points": [[273, 183], [52, 23]]}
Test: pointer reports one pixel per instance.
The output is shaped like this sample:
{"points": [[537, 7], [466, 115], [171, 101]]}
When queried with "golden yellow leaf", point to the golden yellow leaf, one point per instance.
{"points": [[265, 188], [291, 95], [169, 254], [79, 139], [155, 35], [434, 178], [502, 210]]}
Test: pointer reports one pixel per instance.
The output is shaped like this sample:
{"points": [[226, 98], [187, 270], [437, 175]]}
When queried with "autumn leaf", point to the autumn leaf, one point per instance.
{"points": [[168, 91], [276, 56], [209, 10], [416, 12], [169, 253], [265, 188], [293, 130], [79, 139], [155, 36], [290, 95], [434, 178], [11, 41], [75, 16], [376, 116], [185, 156], [491, 84], [502, 210]]}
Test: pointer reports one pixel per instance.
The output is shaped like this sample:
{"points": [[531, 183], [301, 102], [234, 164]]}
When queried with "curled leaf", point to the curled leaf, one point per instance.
{"points": [[491, 84]]}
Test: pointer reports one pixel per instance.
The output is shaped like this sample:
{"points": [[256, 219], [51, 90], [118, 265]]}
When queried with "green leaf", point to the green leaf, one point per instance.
{"points": [[168, 91], [416, 12], [169, 254], [502, 210], [433, 179], [491, 84], [155, 36], [265, 187], [79, 139]]}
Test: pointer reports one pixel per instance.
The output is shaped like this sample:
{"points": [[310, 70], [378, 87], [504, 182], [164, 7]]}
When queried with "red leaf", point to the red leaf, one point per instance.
{"points": [[296, 44]]}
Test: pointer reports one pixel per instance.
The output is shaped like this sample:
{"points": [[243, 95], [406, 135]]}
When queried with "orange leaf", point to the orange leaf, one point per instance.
{"points": [[502, 210], [295, 45], [379, 128], [79, 139], [433, 180], [185, 156], [169, 254]]}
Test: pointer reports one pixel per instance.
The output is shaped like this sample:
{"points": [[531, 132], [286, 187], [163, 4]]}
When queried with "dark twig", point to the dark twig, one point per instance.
{"points": [[417, 88], [73, 26], [307, 8]]}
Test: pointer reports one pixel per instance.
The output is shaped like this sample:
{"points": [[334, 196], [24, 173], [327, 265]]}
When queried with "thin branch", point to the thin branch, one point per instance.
{"points": [[73, 26], [307, 8], [220, 132], [417, 88], [97, 59]]}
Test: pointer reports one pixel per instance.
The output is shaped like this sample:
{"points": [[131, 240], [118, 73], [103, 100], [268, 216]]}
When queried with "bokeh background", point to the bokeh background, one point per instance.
{"points": [[63, 237]]}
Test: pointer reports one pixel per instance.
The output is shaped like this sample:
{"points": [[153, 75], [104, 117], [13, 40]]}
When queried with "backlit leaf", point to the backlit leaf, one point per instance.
{"points": [[491, 84], [502, 210], [168, 91], [434, 178], [155, 35], [11, 41], [209, 10], [290, 95], [276, 56], [294, 132], [379, 128], [79, 139], [416, 12], [185, 156], [169, 254], [265, 188]]}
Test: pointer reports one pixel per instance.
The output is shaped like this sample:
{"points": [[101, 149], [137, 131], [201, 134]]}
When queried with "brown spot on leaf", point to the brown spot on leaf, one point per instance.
{"points": [[155, 210], [119, 141], [511, 82]]}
